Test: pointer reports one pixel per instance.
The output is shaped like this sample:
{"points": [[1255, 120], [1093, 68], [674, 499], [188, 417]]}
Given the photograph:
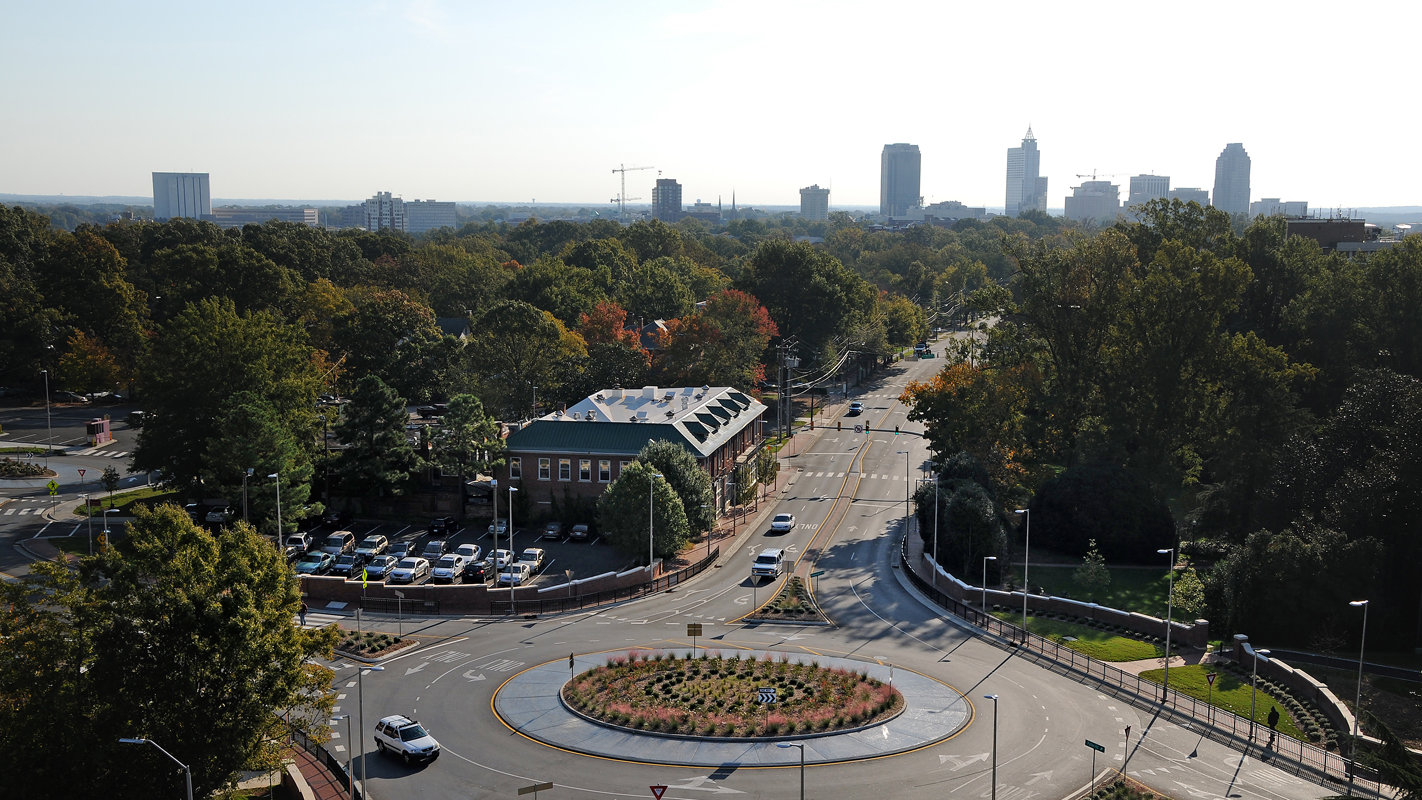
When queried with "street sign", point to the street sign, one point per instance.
{"points": [[858, 428], [657, 791], [1128, 732], [817, 574], [1210, 676], [81, 473], [693, 629], [1094, 746], [52, 487], [766, 694], [535, 788]]}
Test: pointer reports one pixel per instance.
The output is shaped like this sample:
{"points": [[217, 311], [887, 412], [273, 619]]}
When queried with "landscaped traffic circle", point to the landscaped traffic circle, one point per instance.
{"points": [[733, 697]]}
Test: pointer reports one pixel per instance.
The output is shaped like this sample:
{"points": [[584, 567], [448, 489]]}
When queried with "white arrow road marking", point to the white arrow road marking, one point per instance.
{"points": [[743, 599], [1038, 776], [962, 761], [1195, 792], [473, 677], [700, 784], [413, 670]]}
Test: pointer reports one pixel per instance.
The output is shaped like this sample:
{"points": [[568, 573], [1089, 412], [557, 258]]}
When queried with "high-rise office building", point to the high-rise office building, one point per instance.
{"points": [[181, 194], [236, 217], [429, 215], [1145, 188], [1186, 195], [1275, 207], [666, 200], [1026, 188], [384, 211], [1096, 201], [900, 167], [1232, 180], [814, 203]]}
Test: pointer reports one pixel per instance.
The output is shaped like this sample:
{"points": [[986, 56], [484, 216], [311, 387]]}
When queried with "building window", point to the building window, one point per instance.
{"points": [[565, 469], [585, 469], [515, 469], [545, 469], [622, 466], [604, 470]]}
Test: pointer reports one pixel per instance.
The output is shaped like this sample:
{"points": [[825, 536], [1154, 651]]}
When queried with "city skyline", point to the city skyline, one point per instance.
{"points": [[502, 109]]}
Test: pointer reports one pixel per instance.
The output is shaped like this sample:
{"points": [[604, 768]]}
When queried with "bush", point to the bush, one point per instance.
{"points": [[1105, 502]]}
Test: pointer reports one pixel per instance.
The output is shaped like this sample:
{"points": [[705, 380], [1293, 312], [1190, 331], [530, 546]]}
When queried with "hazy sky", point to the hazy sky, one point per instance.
{"points": [[514, 101]]}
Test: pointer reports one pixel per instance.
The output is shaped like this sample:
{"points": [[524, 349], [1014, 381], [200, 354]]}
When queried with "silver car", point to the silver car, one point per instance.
{"points": [[448, 569], [409, 570]]}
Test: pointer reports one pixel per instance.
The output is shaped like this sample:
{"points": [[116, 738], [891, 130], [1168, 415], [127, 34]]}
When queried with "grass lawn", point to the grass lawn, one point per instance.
{"points": [[77, 544], [1100, 645], [13, 449], [151, 495], [1143, 591], [1230, 693]]}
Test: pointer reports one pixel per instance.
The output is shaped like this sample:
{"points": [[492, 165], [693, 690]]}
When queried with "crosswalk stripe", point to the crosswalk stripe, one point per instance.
{"points": [[9, 511], [25, 511], [119, 454]]}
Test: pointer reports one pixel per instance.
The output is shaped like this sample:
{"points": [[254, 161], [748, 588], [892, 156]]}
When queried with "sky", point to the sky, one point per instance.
{"points": [[511, 102]]}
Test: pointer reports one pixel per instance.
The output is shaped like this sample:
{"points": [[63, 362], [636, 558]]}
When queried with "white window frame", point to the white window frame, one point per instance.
{"points": [[604, 470], [565, 469], [515, 469], [585, 470], [545, 469]]}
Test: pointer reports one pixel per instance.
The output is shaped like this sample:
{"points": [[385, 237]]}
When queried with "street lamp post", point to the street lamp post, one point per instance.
{"points": [[801, 745], [49, 426], [245, 476], [360, 703], [277, 475], [993, 698], [89, 512], [350, 754], [1358, 696], [908, 493], [1026, 558], [651, 554], [187, 773], [985, 560], [107, 512], [1169, 617], [1254, 686], [513, 602], [326, 445], [731, 496]]}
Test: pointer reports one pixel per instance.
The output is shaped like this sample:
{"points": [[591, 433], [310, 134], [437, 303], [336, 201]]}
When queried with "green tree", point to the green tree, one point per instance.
{"points": [[808, 293], [200, 359], [89, 366], [969, 524], [250, 435], [87, 281], [514, 348], [468, 441], [599, 254], [655, 291], [176, 634], [1189, 593], [904, 322], [1092, 576], [395, 337], [690, 482], [1395, 764], [720, 345], [378, 459], [565, 291], [652, 239], [623, 513], [110, 480], [188, 273]]}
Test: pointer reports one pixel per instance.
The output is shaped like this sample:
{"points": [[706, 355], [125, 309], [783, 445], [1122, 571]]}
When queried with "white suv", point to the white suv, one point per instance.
{"points": [[403, 737], [769, 564]]}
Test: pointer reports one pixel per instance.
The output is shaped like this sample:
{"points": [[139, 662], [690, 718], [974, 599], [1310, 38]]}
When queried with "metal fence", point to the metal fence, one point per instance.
{"points": [[396, 605], [321, 754], [553, 605], [1216, 723]]}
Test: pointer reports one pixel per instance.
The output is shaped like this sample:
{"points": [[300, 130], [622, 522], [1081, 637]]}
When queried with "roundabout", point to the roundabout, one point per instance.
{"points": [[927, 711]]}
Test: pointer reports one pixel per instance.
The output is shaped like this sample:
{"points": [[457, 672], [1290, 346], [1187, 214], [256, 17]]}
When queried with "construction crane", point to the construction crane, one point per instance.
{"points": [[621, 199], [1103, 174]]}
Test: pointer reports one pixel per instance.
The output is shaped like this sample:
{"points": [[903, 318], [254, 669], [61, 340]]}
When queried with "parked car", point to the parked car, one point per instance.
{"points": [[479, 571], [578, 532], [503, 558], [533, 557], [769, 564], [135, 419], [515, 575], [340, 542], [856, 408], [471, 552], [499, 528], [373, 546], [379, 567], [335, 518], [449, 568], [219, 515], [318, 563], [434, 548], [69, 397], [553, 530], [299, 544], [431, 411], [444, 526], [405, 739], [348, 565], [194, 510], [401, 549], [409, 570], [783, 522]]}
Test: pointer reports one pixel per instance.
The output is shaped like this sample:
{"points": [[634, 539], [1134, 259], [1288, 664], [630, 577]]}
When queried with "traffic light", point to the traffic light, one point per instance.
{"points": [[896, 430]]}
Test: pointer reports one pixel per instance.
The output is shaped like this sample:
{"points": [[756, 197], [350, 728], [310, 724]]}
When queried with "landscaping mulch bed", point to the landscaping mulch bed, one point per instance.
{"points": [[1124, 788], [792, 603], [15, 468], [371, 644], [712, 695]]}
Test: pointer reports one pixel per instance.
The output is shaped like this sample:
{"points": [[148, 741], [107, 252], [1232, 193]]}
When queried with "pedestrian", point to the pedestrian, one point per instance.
{"points": [[1273, 722], [302, 613]]}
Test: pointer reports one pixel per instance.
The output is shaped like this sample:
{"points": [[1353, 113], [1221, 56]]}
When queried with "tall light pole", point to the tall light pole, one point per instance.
{"points": [[245, 476], [513, 603], [1026, 557], [1254, 687], [907, 492], [350, 754], [731, 495], [1358, 696], [277, 475], [934, 471], [89, 512], [801, 745], [49, 426], [107, 512], [187, 773], [1169, 616], [326, 445], [985, 560], [360, 703], [651, 554], [993, 698]]}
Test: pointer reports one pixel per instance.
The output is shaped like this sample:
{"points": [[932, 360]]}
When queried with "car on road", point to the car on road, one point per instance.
{"points": [[340, 542], [219, 515], [434, 549], [471, 552], [401, 549], [920, 347], [533, 557], [499, 528], [409, 570], [449, 568], [335, 518], [372, 546], [783, 522], [444, 526], [503, 557], [348, 565], [553, 530], [317, 563], [578, 532], [379, 567], [406, 739], [515, 574], [479, 571], [769, 564], [856, 408]]}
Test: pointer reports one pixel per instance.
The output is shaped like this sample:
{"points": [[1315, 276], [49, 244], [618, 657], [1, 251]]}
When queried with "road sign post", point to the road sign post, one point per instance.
{"points": [[693, 629], [813, 575], [1210, 693], [658, 791], [767, 696], [535, 789], [1095, 748]]}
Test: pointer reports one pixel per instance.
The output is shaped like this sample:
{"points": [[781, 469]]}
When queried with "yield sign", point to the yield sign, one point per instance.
{"points": [[81, 472], [657, 791], [1210, 676]]}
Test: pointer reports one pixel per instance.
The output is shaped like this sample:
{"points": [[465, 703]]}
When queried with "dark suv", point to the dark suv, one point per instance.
{"points": [[479, 571]]}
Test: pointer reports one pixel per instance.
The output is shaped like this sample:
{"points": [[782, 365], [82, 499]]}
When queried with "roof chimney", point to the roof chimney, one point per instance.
{"points": [[649, 392]]}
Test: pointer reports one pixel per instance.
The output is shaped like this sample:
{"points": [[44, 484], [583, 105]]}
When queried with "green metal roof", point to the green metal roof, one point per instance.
{"points": [[614, 438]]}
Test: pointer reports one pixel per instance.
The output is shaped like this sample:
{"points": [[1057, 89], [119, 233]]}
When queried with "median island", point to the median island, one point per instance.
{"points": [[716, 696]]}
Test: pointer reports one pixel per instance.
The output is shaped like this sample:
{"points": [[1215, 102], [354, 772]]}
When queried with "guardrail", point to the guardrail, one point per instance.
{"points": [[553, 605], [320, 753], [398, 606], [1211, 721]]}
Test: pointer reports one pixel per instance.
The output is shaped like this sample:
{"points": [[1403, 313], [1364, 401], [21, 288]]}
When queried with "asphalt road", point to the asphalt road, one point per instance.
{"points": [[1043, 718]]}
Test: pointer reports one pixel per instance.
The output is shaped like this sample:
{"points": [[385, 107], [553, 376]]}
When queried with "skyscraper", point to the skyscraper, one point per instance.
{"points": [[814, 203], [1145, 188], [384, 211], [1026, 188], [181, 194], [1232, 180], [899, 168], [1094, 201], [1190, 194], [666, 200], [429, 215]]}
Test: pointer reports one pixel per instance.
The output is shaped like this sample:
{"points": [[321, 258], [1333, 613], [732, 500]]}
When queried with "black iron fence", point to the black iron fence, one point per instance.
{"points": [[395, 605], [321, 754], [1216, 723], [540, 603]]}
